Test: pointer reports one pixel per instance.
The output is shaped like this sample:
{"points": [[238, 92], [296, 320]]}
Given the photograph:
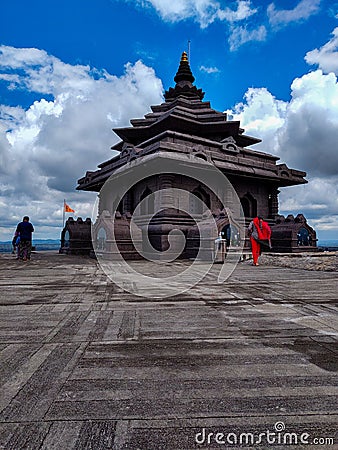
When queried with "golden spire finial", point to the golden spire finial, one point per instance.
{"points": [[184, 56]]}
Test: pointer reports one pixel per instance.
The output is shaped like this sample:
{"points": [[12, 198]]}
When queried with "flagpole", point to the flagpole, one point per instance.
{"points": [[63, 213]]}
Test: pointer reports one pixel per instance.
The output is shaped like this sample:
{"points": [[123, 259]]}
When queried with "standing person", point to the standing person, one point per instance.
{"points": [[15, 244], [25, 230], [259, 232]]}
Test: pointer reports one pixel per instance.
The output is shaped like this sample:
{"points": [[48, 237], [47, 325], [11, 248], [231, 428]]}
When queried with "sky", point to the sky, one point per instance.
{"points": [[71, 70]]}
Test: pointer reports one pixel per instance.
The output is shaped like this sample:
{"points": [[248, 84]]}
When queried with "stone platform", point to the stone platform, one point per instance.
{"points": [[85, 365]]}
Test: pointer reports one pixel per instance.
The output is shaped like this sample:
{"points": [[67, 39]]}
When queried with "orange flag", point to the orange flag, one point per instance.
{"points": [[68, 208]]}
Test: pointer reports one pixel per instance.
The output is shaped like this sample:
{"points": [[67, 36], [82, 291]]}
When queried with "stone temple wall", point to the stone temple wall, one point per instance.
{"points": [[76, 237], [293, 234]]}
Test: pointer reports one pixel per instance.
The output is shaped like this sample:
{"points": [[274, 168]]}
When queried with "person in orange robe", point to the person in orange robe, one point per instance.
{"points": [[259, 231]]}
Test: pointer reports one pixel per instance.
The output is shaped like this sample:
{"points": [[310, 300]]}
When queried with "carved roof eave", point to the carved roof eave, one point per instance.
{"points": [[181, 101], [280, 174], [99, 177], [186, 91], [191, 138], [135, 135], [200, 115], [221, 147], [294, 177]]}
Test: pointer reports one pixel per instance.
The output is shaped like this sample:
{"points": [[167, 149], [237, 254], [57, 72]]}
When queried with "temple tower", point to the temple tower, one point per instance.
{"points": [[185, 126]]}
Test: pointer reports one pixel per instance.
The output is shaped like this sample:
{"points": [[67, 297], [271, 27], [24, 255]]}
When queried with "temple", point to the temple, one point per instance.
{"points": [[185, 126]]}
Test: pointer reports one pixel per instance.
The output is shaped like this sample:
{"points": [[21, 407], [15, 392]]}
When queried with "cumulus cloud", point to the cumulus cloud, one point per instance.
{"points": [[9, 118], [318, 201], [261, 114], [209, 70], [243, 21], [326, 57], [46, 148], [314, 201], [303, 133], [244, 11], [236, 15], [302, 11], [240, 35], [309, 135], [36, 71], [204, 12]]}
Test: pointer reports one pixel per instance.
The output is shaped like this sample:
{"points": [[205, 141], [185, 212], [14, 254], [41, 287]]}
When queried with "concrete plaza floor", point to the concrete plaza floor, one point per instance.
{"points": [[86, 365]]}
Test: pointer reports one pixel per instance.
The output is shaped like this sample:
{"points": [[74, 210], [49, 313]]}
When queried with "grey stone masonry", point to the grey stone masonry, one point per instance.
{"points": [[86, 365]]}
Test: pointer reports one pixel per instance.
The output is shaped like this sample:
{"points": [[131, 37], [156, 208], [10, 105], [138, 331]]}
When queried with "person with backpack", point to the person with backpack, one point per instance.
{"points": [[260, 236]]}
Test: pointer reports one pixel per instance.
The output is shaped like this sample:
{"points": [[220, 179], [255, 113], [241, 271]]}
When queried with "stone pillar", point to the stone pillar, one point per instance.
{"points": [[166, 197], [102, 204], [128, 202], [273, 203]]}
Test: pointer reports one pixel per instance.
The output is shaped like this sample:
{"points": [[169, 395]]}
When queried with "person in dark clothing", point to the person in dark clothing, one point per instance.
{"points": [[15, 244], [25, 230]]}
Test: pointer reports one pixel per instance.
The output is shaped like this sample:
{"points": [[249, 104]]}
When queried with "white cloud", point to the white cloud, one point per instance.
{"points": [[304, 133], [309, 135], [206, 12], [313, 197], [241, 35], [203, 12], [43, 73], [209, 70], [327, 56], [243, 11], [4, 150], [9, 118], [302, 11], [46, 148], [261, 114], [318, 201]]}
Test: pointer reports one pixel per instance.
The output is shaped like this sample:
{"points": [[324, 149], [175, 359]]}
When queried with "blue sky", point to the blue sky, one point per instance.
{"points": [[72, 70]]}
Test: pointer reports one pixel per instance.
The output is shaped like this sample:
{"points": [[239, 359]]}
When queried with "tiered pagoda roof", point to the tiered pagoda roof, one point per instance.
{"points": [[184, 123]]}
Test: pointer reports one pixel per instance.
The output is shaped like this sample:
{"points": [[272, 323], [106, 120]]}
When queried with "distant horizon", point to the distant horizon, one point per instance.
{"points": [[59, 240], [272, 66], [35, 240], [322, 235]]}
